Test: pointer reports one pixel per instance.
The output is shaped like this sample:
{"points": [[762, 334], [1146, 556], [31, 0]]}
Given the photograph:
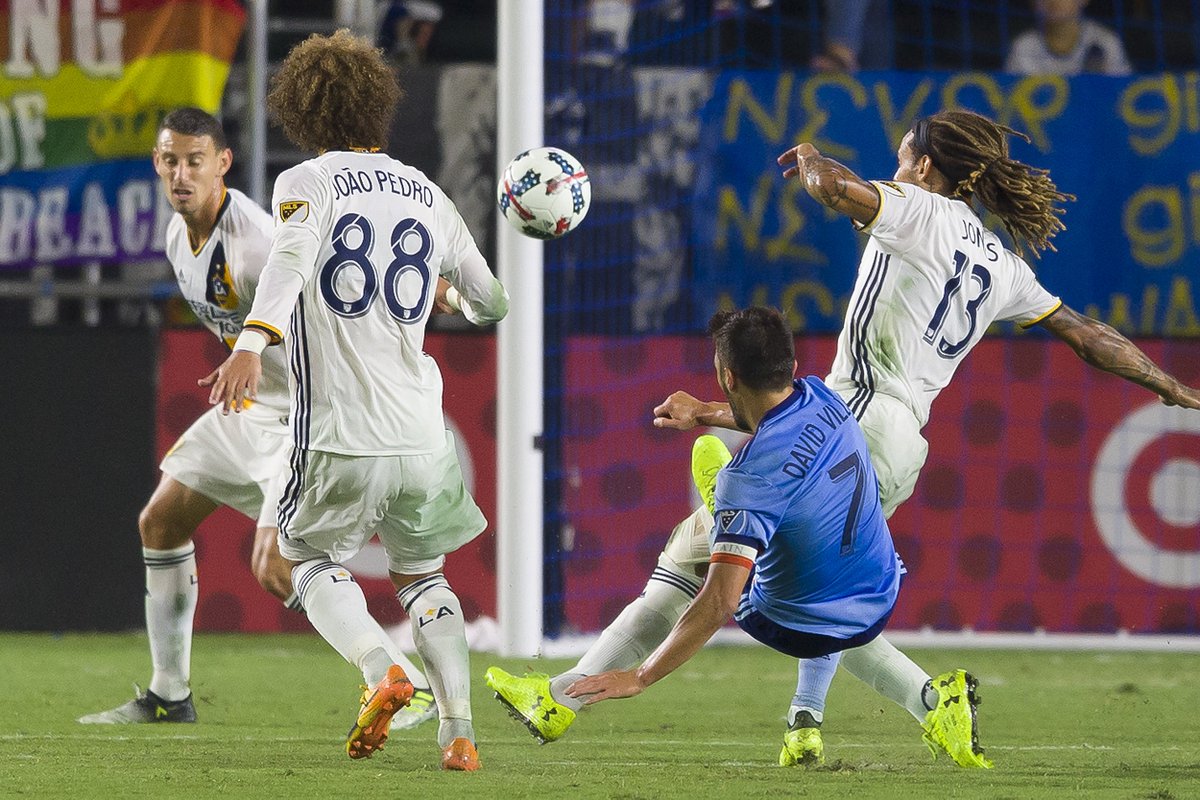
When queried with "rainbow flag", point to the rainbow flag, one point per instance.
{"points": [[83, 85]]}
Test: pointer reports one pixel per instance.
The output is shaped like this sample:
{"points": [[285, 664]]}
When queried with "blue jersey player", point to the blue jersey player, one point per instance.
{"points": [[801, 553]]}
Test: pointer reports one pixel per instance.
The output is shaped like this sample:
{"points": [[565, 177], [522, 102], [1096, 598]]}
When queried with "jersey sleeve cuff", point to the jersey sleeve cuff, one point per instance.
{"points": [[866, 226], [274, 336], [1042, 317]]}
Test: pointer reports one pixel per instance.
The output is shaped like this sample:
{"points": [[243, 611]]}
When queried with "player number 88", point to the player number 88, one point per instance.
{"points": [[346, 254]]}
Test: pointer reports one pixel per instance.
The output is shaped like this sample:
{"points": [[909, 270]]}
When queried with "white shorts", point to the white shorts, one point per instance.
{"points": [[898, 450], [332, 505], [236, 460]]}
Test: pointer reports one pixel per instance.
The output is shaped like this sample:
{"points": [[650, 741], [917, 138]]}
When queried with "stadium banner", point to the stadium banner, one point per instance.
{"points": [[1129, 148], [83, 85], [1055, 497]]}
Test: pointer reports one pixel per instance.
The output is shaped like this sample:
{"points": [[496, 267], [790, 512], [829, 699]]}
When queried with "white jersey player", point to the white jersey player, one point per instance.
{"points": [[361, 242], [930, 282], [217, 244]]}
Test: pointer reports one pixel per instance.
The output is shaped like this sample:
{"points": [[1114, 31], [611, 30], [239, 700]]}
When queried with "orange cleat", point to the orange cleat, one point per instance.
{"points": [[460, 755], [370, 730]]}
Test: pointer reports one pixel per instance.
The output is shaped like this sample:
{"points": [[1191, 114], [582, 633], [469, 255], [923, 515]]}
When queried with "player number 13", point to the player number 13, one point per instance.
{"points": [[346, 256], [962, 275]]}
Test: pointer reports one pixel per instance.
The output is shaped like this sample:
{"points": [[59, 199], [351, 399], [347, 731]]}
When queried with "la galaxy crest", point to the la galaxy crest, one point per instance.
{"points": [[218, 284]]}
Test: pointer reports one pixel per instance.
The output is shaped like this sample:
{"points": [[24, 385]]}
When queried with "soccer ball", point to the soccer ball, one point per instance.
{"points": [[544, 193]]}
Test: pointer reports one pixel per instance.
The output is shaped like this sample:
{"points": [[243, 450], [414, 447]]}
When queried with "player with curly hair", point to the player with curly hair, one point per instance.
{"points": [[362, 243]]}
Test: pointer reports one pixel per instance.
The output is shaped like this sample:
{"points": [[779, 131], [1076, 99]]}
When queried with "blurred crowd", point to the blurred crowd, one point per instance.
{"points": [[1068, 37]]}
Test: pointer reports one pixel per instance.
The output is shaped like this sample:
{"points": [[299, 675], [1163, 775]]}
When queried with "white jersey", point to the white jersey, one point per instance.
{"points": [[931, 281], [219, 280], [362, 239]]}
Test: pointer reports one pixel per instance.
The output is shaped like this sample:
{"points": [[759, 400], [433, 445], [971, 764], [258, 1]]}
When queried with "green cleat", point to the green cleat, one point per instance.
{"points": [[952, 725], [802, 747], [709, 455], [529, 702]]}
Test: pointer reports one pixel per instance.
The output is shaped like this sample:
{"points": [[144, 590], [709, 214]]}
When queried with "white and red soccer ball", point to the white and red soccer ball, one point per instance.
{"points": [[544, 193]]}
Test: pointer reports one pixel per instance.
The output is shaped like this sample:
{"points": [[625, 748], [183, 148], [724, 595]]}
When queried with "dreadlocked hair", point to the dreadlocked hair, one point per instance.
{"points": [[972, 152]]}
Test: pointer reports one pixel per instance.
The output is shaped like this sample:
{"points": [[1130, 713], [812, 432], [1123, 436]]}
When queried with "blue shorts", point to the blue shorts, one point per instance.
{"points": [[800, 644]]}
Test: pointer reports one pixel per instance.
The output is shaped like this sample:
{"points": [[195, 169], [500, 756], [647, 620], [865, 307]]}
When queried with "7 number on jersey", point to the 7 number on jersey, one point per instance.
{"points": [[346, 255]]}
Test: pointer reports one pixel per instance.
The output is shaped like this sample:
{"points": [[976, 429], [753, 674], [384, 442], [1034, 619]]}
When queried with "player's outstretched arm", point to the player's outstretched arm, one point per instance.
{"points": [[1103, 346], [831, 184], [712, 608], [682, 412]]}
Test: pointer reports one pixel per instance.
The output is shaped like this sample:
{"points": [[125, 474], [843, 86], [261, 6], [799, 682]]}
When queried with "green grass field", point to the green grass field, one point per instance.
{"points": [[273, 710]]}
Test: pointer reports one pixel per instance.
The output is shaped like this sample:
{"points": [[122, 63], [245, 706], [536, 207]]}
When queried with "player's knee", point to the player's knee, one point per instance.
{"points": [[159, 531], [275, 576]]}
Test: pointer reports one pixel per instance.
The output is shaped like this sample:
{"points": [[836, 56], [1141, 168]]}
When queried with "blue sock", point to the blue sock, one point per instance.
{"points": [[812, 685]]}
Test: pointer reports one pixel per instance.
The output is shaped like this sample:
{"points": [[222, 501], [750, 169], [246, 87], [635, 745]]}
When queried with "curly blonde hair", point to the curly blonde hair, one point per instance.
{"points": [[972, 152], [334, 93]]}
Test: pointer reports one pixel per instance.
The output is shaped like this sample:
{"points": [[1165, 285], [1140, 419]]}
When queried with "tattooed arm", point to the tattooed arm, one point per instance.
{"points": [[831, 184], [1102, 346]]}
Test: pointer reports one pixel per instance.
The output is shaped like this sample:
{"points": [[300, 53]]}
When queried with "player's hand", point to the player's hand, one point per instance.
{"points": [[793, 160], [1182, 396], [440, 304], [680, 412], [611, 685], [235, 381]]}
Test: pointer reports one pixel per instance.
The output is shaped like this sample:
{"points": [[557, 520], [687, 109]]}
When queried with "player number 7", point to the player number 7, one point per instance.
{"points": [[851, 464]]}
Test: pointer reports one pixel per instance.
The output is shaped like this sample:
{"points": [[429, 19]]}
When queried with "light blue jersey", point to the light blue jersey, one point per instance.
{"points": [[800, 500]]}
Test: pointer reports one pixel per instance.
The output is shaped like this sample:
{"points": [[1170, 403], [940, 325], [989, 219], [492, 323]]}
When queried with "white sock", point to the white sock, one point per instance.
{"points": [[637, 630], [337, 608], [441, 640], [890, 673], [397, 656], [171, 594]]}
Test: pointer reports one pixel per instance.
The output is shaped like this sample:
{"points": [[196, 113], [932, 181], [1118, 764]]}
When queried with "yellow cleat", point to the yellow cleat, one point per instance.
{"points": [[802, 747], [420, 709], [709, 455], [951, 725], [529, 702]]}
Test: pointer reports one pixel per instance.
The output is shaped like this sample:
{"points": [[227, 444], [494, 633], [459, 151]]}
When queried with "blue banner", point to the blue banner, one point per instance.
{"points": [[1129, 149]]}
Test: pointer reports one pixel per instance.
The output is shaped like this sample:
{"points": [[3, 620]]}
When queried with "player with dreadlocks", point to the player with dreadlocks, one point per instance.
{"points": [[932, 279]]}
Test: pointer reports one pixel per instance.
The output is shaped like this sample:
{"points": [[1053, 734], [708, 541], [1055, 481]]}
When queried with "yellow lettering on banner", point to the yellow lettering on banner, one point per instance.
{"points": [[1155, 247], [1024, 102], [795, 293], [749, 223], [984, 83], [1180, 318], [772, 125], [818, 116], [896, 126], [1152, 129], [1149, 309], [792, 221]]}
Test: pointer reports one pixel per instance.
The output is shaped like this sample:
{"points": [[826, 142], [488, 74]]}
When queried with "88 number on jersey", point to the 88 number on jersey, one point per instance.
{"points": [[352, 240]]}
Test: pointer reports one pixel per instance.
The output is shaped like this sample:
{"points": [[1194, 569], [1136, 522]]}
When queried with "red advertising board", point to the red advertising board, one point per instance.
{"points": [[1054, 497]]}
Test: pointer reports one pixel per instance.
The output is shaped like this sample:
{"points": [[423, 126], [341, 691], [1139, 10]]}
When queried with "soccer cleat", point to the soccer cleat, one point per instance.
{"points": [[952, 724], [370, 730], [529, 702], [709, 455], [145, 707], [460, 755], [802, 743], [802, 747], [421, 708]]}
